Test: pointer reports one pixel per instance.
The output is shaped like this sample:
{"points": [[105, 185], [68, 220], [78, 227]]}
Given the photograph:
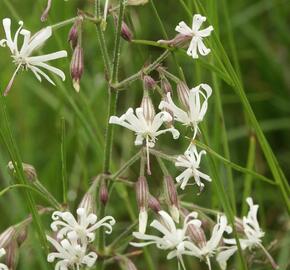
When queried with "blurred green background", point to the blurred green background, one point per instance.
{"points": [[261, 32]]}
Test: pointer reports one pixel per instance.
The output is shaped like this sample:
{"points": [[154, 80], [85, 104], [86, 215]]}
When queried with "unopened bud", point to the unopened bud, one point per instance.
{"points": [[172, 198], [126, 32], [148, 107], [165, 85], [137, 2], [183, 94], [149, 82], [127, 264], [73, 34], [29, 171], [142, 195], [154, 204], [22, 235], [7, 236], [88, 203], [104, 193], [77, 67], [12, 255], [196, 233]]}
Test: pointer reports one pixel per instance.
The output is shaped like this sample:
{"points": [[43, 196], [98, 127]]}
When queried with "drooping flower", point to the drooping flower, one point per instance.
{"points": [[205, 249], [252, 237], [2, 253], [85, 226], [196, 104], [173, 238], [71, 253], [22, 56], [191, 162], [196, 44]]}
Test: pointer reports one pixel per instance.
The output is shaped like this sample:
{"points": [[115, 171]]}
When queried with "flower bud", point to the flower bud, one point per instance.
{"points": [[149, 82], [88, 203], [29, 171], [165, 85], [12, 255], [127, 264], [171, 197], [126, 32], [73, 34], [154, 204], [7, 236], [22, 235], [142, 195], [104, 193], [77, 67], [148, 107], [196, 233], [136, 2], [183, 94]]}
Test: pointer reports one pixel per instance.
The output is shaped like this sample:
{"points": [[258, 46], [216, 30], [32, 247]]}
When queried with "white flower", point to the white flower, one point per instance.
{"points": [[144, 129], [253, 237], [2, 253], [191, 161], [196, 45], [172, 239], [205, 250], [22, 56], [196, 109], [85, 226], [70, 253]]}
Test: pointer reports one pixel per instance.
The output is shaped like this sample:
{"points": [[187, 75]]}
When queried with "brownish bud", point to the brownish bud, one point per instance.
{"points": [[165, 85], [171, 197], [239, 225], [73, 35], [104, 193], [77, 67], [7, 236], [148, 107], [154, 203], [29, 171], [12, 255], [22, 235], [183, 94], [126, 263]]}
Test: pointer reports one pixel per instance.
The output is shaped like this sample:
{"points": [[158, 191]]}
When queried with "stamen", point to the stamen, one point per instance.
{"points": [[11, 81]]}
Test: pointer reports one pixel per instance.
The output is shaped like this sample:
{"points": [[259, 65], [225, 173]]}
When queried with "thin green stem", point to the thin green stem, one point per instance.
{"points": [[63, 162]]}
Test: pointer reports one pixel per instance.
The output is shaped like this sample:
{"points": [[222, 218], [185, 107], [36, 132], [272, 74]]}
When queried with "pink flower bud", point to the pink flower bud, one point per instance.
{"points": [[171, 197], [126, 32], [154, 204], [104, 193], [142, 195], [183, 94], [73, 35], [149, 82], [77, 67]]}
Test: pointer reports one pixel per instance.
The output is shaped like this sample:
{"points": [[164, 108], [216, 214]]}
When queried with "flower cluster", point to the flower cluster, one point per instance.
{"points": [[73, 237], [178, 241]]}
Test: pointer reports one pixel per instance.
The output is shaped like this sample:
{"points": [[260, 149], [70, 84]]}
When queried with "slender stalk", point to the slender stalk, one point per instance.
{"points": [[17, 163], [119, 86], [63, 162], [63, 23]]}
